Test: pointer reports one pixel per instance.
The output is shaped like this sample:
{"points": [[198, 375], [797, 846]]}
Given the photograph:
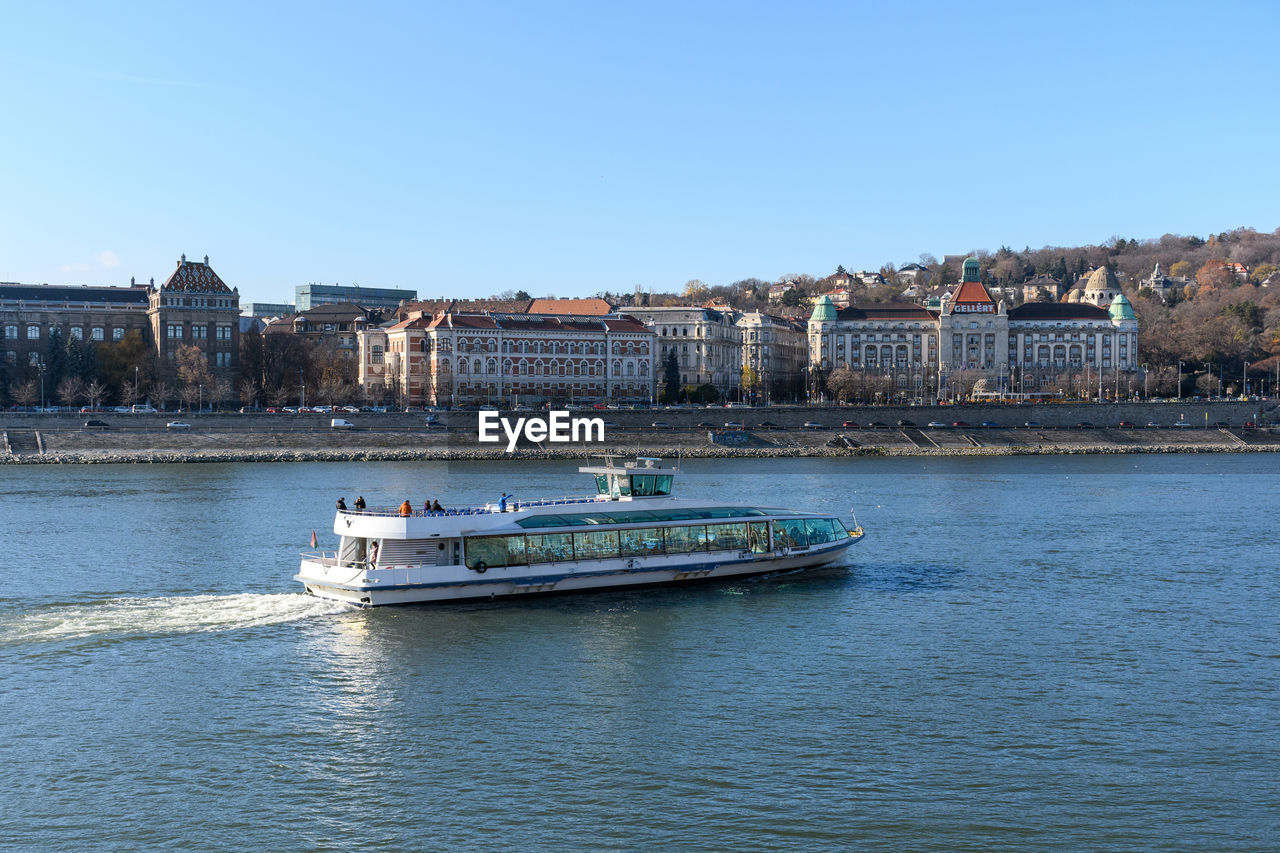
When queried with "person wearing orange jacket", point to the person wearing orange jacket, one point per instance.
{"points": [[406, 509]]}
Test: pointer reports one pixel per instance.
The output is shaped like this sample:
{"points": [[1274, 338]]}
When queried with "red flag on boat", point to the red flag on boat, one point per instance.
{"points": [[313, 539]]}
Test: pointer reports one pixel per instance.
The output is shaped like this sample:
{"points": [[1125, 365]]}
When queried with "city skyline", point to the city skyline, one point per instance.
{"points": [[577, 150]]}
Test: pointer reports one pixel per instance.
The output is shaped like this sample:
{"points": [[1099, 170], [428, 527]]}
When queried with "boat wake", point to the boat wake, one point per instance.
{"points": [[143, 617]]}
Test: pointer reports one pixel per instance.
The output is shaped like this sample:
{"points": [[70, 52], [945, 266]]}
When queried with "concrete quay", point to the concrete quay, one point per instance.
{"points": [[62, 439]]}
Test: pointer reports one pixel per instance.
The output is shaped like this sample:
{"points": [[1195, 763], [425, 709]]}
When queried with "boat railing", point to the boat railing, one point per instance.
{"points": [[512, 506]]}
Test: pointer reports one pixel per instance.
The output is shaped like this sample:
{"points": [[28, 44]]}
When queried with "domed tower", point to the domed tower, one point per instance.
{"points": [[821, 323], [1101, 288]]}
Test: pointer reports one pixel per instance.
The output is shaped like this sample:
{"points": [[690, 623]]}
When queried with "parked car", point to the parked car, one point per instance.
{"points": [[96, 425], [849, 425], [990, 425], [178, 425], [936, 425], [143, 409], [960, 424], [1126, 425], [1152, 425], [813, 425], [1250, 424], [121, 410], [1183, 424], [707, 425], [906, 423], [767, 425]]}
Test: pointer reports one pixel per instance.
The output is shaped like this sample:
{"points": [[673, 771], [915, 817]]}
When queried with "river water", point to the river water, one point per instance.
{"points": [[1032, 653]]}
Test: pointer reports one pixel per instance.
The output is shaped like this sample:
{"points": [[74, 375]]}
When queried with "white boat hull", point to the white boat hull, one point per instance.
{"points": [[430, 584]]}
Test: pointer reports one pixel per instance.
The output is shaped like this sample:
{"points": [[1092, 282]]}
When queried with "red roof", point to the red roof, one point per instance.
{"points": [[971, 292], [570, 306]]}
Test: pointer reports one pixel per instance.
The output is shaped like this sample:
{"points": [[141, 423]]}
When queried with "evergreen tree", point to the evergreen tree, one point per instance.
{"points": [[55, 358], [671, 376]]}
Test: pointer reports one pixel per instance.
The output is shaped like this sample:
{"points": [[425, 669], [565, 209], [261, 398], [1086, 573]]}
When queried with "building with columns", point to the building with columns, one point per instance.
{"points": [[777, 351], [1035, 347]]}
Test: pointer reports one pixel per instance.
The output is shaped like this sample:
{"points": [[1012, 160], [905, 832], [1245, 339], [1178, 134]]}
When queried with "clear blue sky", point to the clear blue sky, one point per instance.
{"points": [[466, 148]]}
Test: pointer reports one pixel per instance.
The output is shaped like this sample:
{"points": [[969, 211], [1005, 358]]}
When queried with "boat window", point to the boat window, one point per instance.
{"points": [[683, 540], [790, 534], [726, 537], [662, 484], [819, 530], [641, 542], [495, 551], [837, 525], [634, 516], [595, 544], [642, 485], [602, 484], [621, 486], [758, 536], [550, 548]]}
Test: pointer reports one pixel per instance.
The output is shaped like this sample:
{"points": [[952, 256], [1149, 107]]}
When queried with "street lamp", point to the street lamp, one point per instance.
{"points": [[302, 390], [1146, 374], [201, 387], [1179, 382], [1244, 381], [40, 366]]}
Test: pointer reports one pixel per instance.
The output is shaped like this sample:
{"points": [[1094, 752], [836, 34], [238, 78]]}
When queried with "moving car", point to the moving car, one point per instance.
{"points": [[178, 425], [734, 425], [341, 423], [1083, 425], [1152, 425], [936, 425], [96, 425], [990, 425], [906, 423], [1126, 424], [849, 425], [877, 425], [1032, 425], [960, 424], [767, 425], [813, 425], [1182, 424], [661, 425]]}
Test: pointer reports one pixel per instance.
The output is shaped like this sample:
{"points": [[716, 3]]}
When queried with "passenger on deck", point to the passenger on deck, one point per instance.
{"points": [[435, 507], [342, 505], [406, 509], [502, 502], [360, 504], [426, 506]]}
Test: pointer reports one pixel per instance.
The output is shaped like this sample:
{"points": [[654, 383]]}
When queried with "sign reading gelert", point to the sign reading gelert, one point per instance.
{"points": [[558, 427], [973, 308]]}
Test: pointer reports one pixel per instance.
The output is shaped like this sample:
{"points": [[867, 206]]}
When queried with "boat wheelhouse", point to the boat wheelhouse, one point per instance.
{"points": [[631, 532]]}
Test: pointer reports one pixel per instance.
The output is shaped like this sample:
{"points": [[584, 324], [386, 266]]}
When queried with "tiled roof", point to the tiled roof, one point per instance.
{"points": [[58, 293], [194, 277], [972, 292], [886, 311], [570, 306], [1058, 311]]}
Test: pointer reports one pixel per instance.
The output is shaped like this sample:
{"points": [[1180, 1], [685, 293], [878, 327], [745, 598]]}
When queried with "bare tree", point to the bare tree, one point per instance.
{"points": [[249, 391], [221, 390], [25, 394], [70, 391], [94, 392], [161, 393], [130, 392], [277, 395]]}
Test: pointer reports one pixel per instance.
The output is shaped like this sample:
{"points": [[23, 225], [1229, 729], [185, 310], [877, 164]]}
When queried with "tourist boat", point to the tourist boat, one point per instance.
{"points": [[632, 532]]}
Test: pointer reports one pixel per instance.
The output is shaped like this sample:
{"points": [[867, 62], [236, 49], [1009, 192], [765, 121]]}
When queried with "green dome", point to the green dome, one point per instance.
{"points": [[824, 310], [970, 270], [1121, 309]]}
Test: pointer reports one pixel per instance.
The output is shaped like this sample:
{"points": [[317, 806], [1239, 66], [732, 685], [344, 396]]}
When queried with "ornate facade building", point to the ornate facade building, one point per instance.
{"points": [[193, 306], [777, 351], [1037, 346], [469, 359], [707, 343]]}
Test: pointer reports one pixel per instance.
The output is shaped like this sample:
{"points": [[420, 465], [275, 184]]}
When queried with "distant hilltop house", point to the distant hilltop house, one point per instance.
{"points": [[839, 297], [1042, 288], [913, 274], [777, 292], [1162, 285]]}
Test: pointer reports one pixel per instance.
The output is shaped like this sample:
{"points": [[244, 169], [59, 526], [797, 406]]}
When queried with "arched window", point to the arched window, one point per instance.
{"points": [[617, 367], [630, 369], [475, 366], [524, 368], [644, 367], [462, 365], [506, 346], [506, 366]]}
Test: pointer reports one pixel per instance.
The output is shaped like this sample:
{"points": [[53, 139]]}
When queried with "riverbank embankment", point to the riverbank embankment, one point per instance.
{"points": [[771, 433]]}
